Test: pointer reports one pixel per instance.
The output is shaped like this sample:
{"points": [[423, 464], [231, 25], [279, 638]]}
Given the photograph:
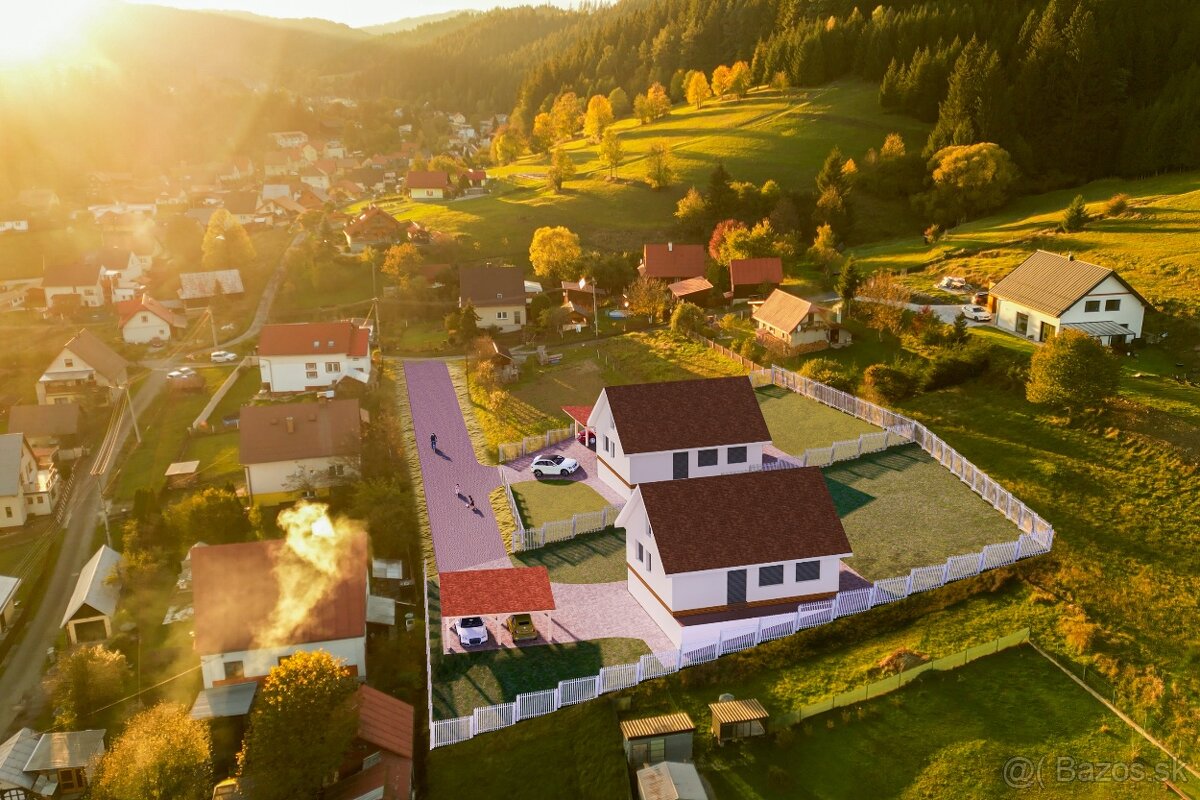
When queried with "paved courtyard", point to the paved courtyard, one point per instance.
{"points": [[520, 469]]}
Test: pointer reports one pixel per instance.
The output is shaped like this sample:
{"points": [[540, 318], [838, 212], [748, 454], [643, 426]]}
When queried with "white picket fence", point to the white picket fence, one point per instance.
{"points": [[508, 451], [564, 529], [1035, 538]]}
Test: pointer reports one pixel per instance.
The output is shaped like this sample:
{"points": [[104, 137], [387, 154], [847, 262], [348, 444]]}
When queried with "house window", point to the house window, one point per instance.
{"points": [[770, 576], [1112, 305], [606, 445], [234, 670], [8, 511], [41, 500], [310, 365], [1091, 305], [333, 366], [68, 362], [71, 780], [1022, 324], [736, 455], [311, 374], [517, 317], [649, 561], [707, 458], [641, 553], [501, 315], [807, 571], [337, 470]]}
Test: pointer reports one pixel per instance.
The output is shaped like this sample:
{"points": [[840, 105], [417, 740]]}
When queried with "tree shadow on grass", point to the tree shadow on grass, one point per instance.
{"points": [[577, 551]]}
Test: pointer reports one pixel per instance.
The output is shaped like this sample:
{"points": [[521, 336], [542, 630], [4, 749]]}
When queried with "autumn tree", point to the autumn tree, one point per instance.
{"points": [[599, 116], [611, 152], [652, 105], [739, 79], [716, 242], [226, 244], [648, 297], [507, 146], [302, 723], [213, 514], [721, 78], [697, 89], [163, 754], [554, 253], [967, 181], [687, 318], [84, 681], [566, 117], [542, 136], [824, 251], [463, 324], [660, 165], [884, 301], [618, 100], [780, 81], [743, 242], [401, 261], [692, 210], [1072, 370], [562, 168]]}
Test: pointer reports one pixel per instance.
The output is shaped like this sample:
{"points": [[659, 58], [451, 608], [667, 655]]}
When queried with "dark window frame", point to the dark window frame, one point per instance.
{"points": [[770, 575], [703, 456], [737, 455], [804, 568], [1091, 306], [1113, 304]]}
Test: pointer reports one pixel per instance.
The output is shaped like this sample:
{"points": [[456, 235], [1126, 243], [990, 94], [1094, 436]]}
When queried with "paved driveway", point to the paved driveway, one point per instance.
{"points": [[519, 470], [462, 538]]}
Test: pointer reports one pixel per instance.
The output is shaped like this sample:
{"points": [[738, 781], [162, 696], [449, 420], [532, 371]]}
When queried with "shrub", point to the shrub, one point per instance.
{"points": [[952, 367], [687, 318], [1117, 204], [888, 383], [784, 738], [1072, 370], [1075, 216], [829, 372]]}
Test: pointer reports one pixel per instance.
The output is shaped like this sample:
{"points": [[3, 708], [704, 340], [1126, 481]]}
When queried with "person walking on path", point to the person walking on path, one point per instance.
{"points": [[433, 441], [458, 491]]}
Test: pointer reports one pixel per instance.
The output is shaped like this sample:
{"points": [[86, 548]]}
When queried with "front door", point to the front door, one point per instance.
{"points": [[735, 586], [681, 465]]}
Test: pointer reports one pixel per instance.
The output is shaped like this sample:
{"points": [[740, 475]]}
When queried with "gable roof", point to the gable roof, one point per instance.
{"points": [[689, 286], [11, 447], [373, 216], [65, 750], [385, 721], [8, 588], [114, 259], [427, 179], [241, 202], [322, 429], [99, 356], [94, 587], [236, 589], [672, 260], [71, 274], [745, 518], [491, 286], [128, 309], [57, 419], [199, 285], [314, 338], [14, 755], [1052, 283], [786, 311], [485, 592], [755, 271], [677, 415]]}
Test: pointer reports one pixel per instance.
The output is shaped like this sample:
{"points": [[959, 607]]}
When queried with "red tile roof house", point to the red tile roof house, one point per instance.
{"points": [[237, 589], [428, 185], [379, 763], [749, 276], [306, 356], [707, 551], [788, 325], [146, 320], [296, 450], [477, 178], [376, 228], [497, 294], [650, 432], [672, 262]]}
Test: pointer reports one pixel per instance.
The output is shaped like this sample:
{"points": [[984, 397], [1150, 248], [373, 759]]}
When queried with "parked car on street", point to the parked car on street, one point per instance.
{"points": [[521, 627], [977, 313], [471, 631], [554, 465], [222, 357]]}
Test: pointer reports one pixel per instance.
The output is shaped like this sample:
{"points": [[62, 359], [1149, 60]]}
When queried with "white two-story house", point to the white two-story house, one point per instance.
{"points": [[256, 603], [83, 280], [496, 293], [1048, 292], [86, 371], [306, 356], [27, 488], [711, 550], [144, 320], [678, 429]]}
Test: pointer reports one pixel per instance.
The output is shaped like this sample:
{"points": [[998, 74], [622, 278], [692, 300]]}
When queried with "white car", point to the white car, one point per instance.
{"points": [[222, 357], [471, 631], [977, 313], [554, 465]]}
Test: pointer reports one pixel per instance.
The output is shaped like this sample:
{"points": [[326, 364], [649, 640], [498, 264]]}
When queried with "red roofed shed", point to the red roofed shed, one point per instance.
{"points": [[496, 592]]}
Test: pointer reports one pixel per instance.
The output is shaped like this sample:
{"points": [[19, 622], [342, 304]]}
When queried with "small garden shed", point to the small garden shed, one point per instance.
{"points": [[655, 739], [738, 719]]}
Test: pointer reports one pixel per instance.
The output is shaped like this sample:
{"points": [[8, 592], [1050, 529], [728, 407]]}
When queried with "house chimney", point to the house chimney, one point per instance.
{"points": [[291, 424], [670, 247], [1070, 256]]}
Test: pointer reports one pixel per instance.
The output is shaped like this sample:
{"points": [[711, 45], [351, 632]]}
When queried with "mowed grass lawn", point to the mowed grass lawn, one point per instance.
{"points": [[544, 501], [948, 734], [798, 423], [589, 558], [901, 510], [463, 682], [573, 753]]}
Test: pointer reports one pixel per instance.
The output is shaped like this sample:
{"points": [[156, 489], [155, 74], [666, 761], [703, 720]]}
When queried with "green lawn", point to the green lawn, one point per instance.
{"points": [[539, 502], [218, 457], [798, 423], [948, 734], [901, 509], [588, 558], [416, 337], [574, 753], [247, 385]]}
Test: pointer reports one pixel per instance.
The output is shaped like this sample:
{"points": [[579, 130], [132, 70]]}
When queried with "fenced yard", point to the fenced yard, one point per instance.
{"points": [[539, 502], [798, 423], [903, 510], [590, 558]]}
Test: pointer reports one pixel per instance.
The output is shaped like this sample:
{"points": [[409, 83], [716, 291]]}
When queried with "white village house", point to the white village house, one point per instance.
{"points": [[146, 320], [86, 369], [496, 293], [304, 356], [1049, 292], [237, 589], [705, 551], [297, 450], [79, 279], [677, 429], [27, 487], [90, 610], [123, 269], [794, 325]]}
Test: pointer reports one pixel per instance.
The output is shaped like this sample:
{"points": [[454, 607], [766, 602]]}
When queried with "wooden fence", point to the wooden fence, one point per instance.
{"points": [[508, 451]]}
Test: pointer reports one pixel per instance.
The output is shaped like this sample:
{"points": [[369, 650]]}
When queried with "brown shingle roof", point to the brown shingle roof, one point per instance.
{"points": [[431, 179], [75, 273], [672, 260], [314, 338], [677, 415], [385, 721], [375, 218], [59, 419], [755, 271], [317, 430], [99, 356], [786, 311], [236, 590], [491, 286], [1052, 283], [484, 592], [747, 518]]}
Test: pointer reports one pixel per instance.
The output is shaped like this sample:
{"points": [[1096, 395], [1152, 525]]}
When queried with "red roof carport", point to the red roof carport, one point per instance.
{"points": [[579, 415], [496, 592]]}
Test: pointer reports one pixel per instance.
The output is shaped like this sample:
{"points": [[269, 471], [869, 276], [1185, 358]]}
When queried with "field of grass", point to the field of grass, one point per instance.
{"points": [[218, 457], [797, 423], [901, 510], [949, 734], [539, 502], [765, 136], [590, 558], [247, 385]]}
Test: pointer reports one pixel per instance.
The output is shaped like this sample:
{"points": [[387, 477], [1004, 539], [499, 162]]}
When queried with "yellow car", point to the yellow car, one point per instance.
{"points": [[521, 627]]}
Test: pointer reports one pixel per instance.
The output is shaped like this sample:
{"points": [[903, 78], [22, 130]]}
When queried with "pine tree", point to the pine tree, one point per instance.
{"points": [[1075, 216]]}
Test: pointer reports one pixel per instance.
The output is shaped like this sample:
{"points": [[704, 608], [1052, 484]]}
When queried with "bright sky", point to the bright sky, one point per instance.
{"points": [[352, 12]]}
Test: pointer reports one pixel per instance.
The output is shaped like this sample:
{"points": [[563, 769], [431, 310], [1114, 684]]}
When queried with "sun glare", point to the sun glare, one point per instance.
{"points": [[32, 31]]}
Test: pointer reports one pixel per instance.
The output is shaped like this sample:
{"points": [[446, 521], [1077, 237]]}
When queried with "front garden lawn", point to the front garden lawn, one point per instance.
{"points": [[589, 558], [948, 734], [218, 457], [901, 510], [545, 501], [798, 423]]}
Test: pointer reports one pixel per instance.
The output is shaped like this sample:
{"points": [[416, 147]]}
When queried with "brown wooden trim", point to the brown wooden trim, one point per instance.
{"points": [[614, 472], [653, 593], [803, 598]]}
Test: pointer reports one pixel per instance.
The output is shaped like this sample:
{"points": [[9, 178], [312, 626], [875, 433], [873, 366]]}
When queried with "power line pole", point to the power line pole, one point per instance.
{"points": [[132, 414]]}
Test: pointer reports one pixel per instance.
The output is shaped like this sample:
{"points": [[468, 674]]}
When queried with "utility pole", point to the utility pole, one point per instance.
{"points": [[212, 323], [132, 414], [104, 518]]}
